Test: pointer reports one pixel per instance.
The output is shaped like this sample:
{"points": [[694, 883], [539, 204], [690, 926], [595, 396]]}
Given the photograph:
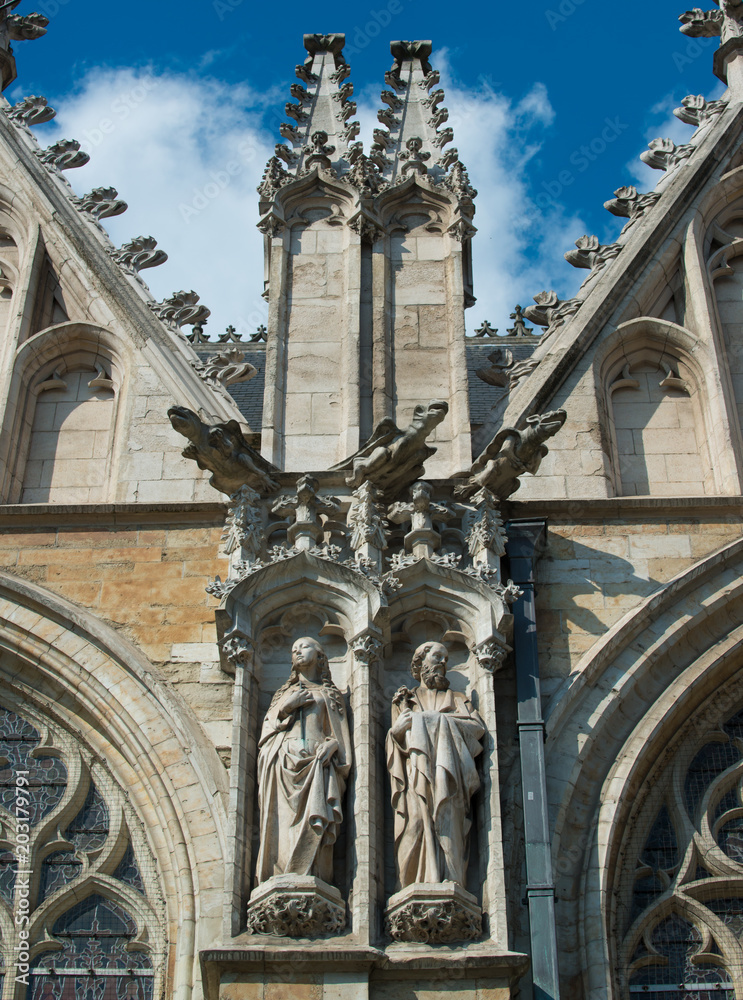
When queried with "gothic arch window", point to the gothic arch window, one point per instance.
{"points": [[658, 423], [74, 862], [680, 903]]}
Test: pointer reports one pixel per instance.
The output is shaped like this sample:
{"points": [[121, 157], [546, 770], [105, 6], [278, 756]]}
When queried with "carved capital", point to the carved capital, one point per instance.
{"points": [[238, 651], [366, 647]]}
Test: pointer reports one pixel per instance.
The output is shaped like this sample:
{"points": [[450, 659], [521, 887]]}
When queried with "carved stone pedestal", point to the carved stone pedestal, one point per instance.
{"points": [[434, 913], [296, 906]]}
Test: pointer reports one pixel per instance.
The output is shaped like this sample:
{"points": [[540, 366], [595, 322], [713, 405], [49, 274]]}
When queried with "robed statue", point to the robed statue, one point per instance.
{"points": [[304, 758], [431, 749]]}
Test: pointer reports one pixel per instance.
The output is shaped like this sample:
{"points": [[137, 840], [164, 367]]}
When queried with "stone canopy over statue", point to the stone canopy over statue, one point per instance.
{"points": [[431, 748], [304, 759]]}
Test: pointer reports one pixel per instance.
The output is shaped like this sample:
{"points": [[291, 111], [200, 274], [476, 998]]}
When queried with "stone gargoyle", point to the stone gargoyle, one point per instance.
{"points": [[511, 453], [393, 459], [223, 450]]}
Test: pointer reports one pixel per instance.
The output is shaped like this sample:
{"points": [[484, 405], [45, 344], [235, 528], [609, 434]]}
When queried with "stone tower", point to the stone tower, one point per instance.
{"points": [[368, 265]]}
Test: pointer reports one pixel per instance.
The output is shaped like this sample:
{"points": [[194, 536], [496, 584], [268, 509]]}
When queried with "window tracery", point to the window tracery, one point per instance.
{"points": [[94, 933], [683, 902]]}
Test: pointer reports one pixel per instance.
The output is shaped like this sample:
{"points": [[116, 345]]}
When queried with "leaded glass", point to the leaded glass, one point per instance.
{"points": [[128, 871], [730, 910], [660, 853], [730, 839], [711, 760], [678, 942], [47, 775], [94, 962], [8, 870]]}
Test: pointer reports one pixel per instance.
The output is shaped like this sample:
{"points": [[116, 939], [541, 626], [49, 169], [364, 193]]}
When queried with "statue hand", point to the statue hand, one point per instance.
{"points": [[326, 750], [402, 724], [295, 700]]}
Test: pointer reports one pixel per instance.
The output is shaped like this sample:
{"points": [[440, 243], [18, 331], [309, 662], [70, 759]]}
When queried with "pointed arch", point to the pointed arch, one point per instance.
{"points": [[98, 687], [673, 662]]}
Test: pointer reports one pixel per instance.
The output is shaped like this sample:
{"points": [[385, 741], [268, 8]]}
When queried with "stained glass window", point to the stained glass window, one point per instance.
{"points": [[95, 961], [47, 775], [677, 975]]}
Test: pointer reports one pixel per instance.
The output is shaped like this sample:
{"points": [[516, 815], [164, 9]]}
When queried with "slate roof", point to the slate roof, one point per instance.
{"points": [[483, 397]]}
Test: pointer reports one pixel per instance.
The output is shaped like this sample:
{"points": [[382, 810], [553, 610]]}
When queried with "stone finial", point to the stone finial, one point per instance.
{"points": [[519, 328], [140, 253], [423, 539], [182, 309], [32, 111], [484, 532], [393, 459], [486, 330], [413, 141], [368, 525], [243, 529], [321, 131], [511, 453], [305, 507], [64, 155], [102, 203], [223, 450], [261, 334]]}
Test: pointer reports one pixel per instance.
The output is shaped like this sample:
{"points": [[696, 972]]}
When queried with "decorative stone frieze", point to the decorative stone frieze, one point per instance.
{"points": [[31, 111]]}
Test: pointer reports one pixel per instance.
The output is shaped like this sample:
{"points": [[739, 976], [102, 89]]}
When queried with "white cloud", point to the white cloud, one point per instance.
{"points": [[187, 154]]}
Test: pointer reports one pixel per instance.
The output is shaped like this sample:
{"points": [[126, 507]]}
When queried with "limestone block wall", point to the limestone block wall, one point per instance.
{"points": [[145, 576], [604, 557]]}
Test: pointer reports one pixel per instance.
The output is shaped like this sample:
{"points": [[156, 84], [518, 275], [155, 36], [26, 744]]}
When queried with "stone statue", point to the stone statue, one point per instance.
{"points": [[431, 750], [223, 450], [304, 758], [393, 459], [510, 454]]}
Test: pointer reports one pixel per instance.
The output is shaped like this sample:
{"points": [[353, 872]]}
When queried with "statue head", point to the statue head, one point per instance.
{"points": [[429, 665], [306, 652]]}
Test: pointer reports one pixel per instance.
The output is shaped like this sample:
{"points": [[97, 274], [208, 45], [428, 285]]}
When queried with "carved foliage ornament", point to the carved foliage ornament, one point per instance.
{"points": [[32, 111], [226, 368], [64, 155]]}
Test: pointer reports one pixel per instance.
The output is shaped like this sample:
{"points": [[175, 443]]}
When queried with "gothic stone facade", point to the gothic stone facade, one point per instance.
{"points": [[547, 526]]}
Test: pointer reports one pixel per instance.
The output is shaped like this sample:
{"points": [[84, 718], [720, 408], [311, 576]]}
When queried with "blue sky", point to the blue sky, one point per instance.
{"points": [[551, 104]]}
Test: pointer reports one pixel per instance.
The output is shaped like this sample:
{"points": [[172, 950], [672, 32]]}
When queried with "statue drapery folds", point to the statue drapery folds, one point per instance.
{"points": [[304, 759], [431, 749]]}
